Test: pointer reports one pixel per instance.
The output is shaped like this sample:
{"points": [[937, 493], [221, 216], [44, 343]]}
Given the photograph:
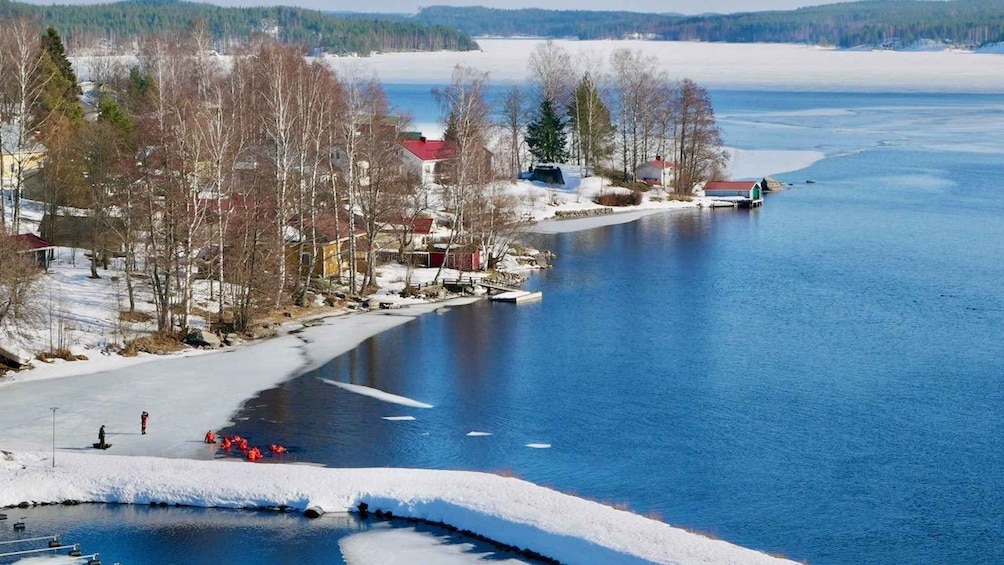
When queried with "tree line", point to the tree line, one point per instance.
{"points": [[891, 23], [242, 176], [122, 23]]}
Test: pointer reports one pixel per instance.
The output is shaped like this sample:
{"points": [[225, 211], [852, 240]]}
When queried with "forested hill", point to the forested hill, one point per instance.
{"points": [[120, 22], [890, 23]]}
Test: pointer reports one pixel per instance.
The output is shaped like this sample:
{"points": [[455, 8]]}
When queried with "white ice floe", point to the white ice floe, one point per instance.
{"points": [[478, 434], [399, 418], [506, 509], [378, 394], [539, 445]]}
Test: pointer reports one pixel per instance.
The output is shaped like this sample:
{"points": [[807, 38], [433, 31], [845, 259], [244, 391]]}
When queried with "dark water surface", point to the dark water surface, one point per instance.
{"points": [[820, 377]]}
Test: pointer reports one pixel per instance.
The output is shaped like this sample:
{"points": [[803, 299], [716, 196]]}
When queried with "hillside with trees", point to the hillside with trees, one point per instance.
{"points": [[122, 23], [886, 23]]}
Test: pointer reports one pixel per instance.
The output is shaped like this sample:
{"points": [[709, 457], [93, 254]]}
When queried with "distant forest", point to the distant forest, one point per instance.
{"points": [[118, 24], [888, 23]]}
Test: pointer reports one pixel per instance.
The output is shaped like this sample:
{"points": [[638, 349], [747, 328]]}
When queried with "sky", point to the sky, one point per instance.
{"points": [[411, 6]]}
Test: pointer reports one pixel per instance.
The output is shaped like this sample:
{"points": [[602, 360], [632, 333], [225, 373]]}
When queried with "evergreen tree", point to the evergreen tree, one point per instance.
{"points": [[545, 136], [589, 120], [59, 94]]}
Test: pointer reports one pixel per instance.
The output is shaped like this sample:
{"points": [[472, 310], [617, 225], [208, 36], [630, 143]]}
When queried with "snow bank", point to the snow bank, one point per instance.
{"points": [[508, 510]]}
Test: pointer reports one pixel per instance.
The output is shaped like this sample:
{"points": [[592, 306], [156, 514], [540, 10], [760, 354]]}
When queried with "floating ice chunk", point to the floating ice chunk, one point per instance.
{"points": [[399, 418], [378, 394], [478, 434], [539, 445]]}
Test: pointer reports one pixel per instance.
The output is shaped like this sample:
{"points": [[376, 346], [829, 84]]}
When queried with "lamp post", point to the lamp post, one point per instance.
{"points": [[54, 408]]}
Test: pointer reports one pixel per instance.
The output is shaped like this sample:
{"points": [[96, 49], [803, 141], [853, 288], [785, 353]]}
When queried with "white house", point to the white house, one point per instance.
{"points": [[658, 171], [425, 156]]}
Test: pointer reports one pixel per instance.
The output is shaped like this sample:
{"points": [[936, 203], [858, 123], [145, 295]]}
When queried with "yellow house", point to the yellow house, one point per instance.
{"points": [[30, 157], [331, 242]]}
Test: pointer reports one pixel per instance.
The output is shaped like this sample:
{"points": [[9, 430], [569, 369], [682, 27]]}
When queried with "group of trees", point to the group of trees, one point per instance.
{"points": [[874, 22], [242, 175], [122, 23], [635, 110]]}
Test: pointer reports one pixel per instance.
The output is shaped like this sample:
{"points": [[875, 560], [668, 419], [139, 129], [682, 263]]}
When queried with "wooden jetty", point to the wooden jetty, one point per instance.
{"points": [[517, 296], [496, 292]]}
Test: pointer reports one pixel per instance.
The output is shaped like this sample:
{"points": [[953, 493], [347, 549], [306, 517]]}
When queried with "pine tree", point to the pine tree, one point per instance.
{"points": [[545, 136]]}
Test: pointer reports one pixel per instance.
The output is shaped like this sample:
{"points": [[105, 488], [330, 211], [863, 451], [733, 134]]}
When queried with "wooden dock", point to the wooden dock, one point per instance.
{"points": [[496, 292], [517, 296]]}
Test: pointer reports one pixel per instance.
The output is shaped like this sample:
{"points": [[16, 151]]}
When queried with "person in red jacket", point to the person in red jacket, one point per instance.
{"points": [[210, 437], [142, 421]]}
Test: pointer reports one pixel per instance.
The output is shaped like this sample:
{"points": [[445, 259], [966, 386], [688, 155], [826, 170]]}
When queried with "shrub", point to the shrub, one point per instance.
{"points": [[619, 199]]}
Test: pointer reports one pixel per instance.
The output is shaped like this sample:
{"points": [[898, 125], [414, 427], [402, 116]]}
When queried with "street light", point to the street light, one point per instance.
{"points": [[54, 408]]}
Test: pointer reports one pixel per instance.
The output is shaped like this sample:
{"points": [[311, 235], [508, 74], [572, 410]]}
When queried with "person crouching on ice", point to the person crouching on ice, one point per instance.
{"points": [[210, 437]]}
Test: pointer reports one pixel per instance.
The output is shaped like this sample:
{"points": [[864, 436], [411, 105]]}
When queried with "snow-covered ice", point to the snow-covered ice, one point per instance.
{"points": [[506, 509], [764, 66], [378, 394]]}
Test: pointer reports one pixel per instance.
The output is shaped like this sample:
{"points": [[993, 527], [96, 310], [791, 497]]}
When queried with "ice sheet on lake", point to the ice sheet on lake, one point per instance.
{"points": [[378, 394], [764, 66]]}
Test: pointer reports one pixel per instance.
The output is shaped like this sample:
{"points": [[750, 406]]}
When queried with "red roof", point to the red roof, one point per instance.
{"points": [[30, 241], [729, 185], [324, 228], [428, 149], [662, 164]]}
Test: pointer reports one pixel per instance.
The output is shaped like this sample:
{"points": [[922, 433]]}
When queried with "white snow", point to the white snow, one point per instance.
{"points": [[509, 510], [383, 546], [378, 394], [721, 65]]}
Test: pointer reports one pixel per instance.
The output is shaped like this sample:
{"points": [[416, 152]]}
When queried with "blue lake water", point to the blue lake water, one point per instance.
{"points": [[820, 378]]}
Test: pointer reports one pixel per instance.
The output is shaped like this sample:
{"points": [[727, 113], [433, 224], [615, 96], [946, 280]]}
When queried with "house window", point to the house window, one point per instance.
{"points": [[305, 258]]}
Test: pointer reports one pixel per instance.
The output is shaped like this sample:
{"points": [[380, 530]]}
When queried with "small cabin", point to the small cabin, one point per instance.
{"points": [[742, 192], [28, 243], [657, 172]]}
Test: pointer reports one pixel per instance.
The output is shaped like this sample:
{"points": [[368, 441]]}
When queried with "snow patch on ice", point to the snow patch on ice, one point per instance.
{"points": [[383, 545], [378, 394]]}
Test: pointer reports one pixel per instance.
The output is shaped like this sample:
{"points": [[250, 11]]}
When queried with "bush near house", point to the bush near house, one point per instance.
{"points": [[632, 198]]}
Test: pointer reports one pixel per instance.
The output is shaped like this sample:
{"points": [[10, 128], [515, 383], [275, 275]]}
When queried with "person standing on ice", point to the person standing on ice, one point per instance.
{"points": [[101, 437], [142, 421]]}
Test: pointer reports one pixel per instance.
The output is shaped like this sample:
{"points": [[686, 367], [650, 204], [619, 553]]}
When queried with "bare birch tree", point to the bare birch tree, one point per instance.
{"points": [[20, 93], [465, 108]]}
